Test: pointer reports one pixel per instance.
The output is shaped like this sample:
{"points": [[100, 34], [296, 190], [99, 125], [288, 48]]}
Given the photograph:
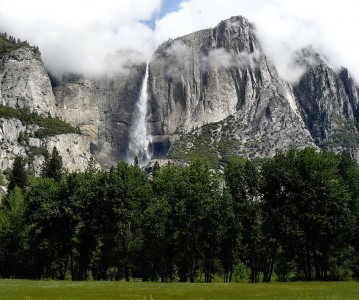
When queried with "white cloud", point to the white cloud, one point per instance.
{"points": [[178, 60], [218, 59], [283, 27], [82, 35], [85, 36]]}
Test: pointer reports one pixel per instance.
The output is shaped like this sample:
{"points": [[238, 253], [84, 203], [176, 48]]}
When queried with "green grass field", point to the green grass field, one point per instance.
{"points": [[26, 289]]}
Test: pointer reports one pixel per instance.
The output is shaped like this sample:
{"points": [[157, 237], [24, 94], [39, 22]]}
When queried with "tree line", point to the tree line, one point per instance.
{"points": [[9, 43], [291, 217]]}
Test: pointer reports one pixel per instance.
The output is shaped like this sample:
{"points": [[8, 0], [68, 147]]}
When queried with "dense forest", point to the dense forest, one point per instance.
{"points": [[291, 217]]}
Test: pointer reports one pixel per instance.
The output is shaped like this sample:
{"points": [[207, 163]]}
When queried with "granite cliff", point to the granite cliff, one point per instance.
{"points": [[212, 93], [222, 75], [25, 85]]}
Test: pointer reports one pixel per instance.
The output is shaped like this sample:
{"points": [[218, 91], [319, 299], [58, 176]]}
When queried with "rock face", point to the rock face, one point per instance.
{"points": [[77, 102], [210, 75], [103, 109], [211, 93], [9, 146], [329, 106], [74, 148], [24, 82]]}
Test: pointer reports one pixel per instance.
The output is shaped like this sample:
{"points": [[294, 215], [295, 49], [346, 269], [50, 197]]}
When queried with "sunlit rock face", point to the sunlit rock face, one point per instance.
{"points": [[103, 108], [216, 77], [328, 101], [74, 148], [24, 82], [212, 74]]}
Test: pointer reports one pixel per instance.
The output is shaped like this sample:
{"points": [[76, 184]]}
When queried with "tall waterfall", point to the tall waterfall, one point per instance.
{"points": [[140, 141]]}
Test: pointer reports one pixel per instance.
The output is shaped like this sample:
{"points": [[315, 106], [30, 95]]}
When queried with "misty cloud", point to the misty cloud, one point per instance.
{"points": [[178, 60], [284, 27], [94, 37], [90, 37], [220, 58], [248, 60]]}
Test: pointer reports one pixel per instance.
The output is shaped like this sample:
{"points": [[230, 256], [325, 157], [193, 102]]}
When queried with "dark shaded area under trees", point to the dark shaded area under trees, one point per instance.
{"points": [[293, 217]]}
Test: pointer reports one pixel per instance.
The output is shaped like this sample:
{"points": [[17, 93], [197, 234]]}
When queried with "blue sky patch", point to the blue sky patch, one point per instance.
{"points": [[168, 6]]}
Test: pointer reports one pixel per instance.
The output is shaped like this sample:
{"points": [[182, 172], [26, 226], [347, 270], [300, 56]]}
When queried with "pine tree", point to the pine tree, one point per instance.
{"points": [[91, 166], [18, 176], [52, 166]]}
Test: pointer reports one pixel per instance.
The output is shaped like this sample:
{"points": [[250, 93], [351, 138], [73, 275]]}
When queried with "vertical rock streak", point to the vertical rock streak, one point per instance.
{"points": [[140, 141]]}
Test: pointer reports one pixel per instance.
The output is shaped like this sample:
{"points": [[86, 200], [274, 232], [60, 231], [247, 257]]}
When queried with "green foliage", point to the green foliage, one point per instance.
{"points": [[243, 182], [52, 126], [7, 173], [3, 181], [205, 144], [291, 217], [37, 151], [9, 43], [92, 166], [344, 139], [47, 215], [345, 135], [190, 198], [52, 166], [49, 126], [307, 209], [13, 234], [6, 46], [18, 177], [92, 290], [7, 112]]}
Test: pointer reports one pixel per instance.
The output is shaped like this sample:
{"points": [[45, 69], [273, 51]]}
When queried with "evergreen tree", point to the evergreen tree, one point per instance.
{"points": [[13, 235], [52, 166], [91, 166], [18, 176]]}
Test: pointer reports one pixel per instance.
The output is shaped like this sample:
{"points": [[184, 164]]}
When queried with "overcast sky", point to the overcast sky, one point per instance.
{"points": [[92, 37]]}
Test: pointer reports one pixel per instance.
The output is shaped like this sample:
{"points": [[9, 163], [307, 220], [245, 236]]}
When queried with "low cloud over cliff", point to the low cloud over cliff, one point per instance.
{"points": [[94, 37]]}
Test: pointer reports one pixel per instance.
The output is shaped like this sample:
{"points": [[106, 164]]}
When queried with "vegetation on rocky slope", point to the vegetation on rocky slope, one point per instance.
{"points": [[49, 126], [213, 143], [344, 136], [216, 143], [9, 43]]}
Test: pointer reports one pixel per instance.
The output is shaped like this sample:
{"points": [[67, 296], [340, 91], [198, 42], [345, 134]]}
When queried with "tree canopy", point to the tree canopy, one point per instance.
{"points": [[292, 217]]}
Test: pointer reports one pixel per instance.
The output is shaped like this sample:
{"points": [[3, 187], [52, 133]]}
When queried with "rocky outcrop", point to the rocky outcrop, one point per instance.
{"points": [[100, 107], [9, 146], [103, 109], [213, 93], [210, 75], [74, 148], [329, 106], [78, 104], [24, 82]]}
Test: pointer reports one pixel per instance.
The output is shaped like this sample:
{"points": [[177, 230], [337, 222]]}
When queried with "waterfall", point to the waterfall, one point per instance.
{"points": [[140, 141]]}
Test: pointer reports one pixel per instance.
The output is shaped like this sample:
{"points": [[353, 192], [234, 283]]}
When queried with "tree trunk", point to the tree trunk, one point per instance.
{"points": [[309, 266]]}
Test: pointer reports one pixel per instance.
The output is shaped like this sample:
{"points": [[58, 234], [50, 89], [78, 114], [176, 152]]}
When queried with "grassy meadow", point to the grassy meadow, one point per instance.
{"points": [[26, 289]]}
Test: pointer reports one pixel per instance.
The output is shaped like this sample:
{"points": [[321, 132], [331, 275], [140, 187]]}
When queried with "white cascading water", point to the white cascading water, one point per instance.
{"points": [[140, 141]]}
